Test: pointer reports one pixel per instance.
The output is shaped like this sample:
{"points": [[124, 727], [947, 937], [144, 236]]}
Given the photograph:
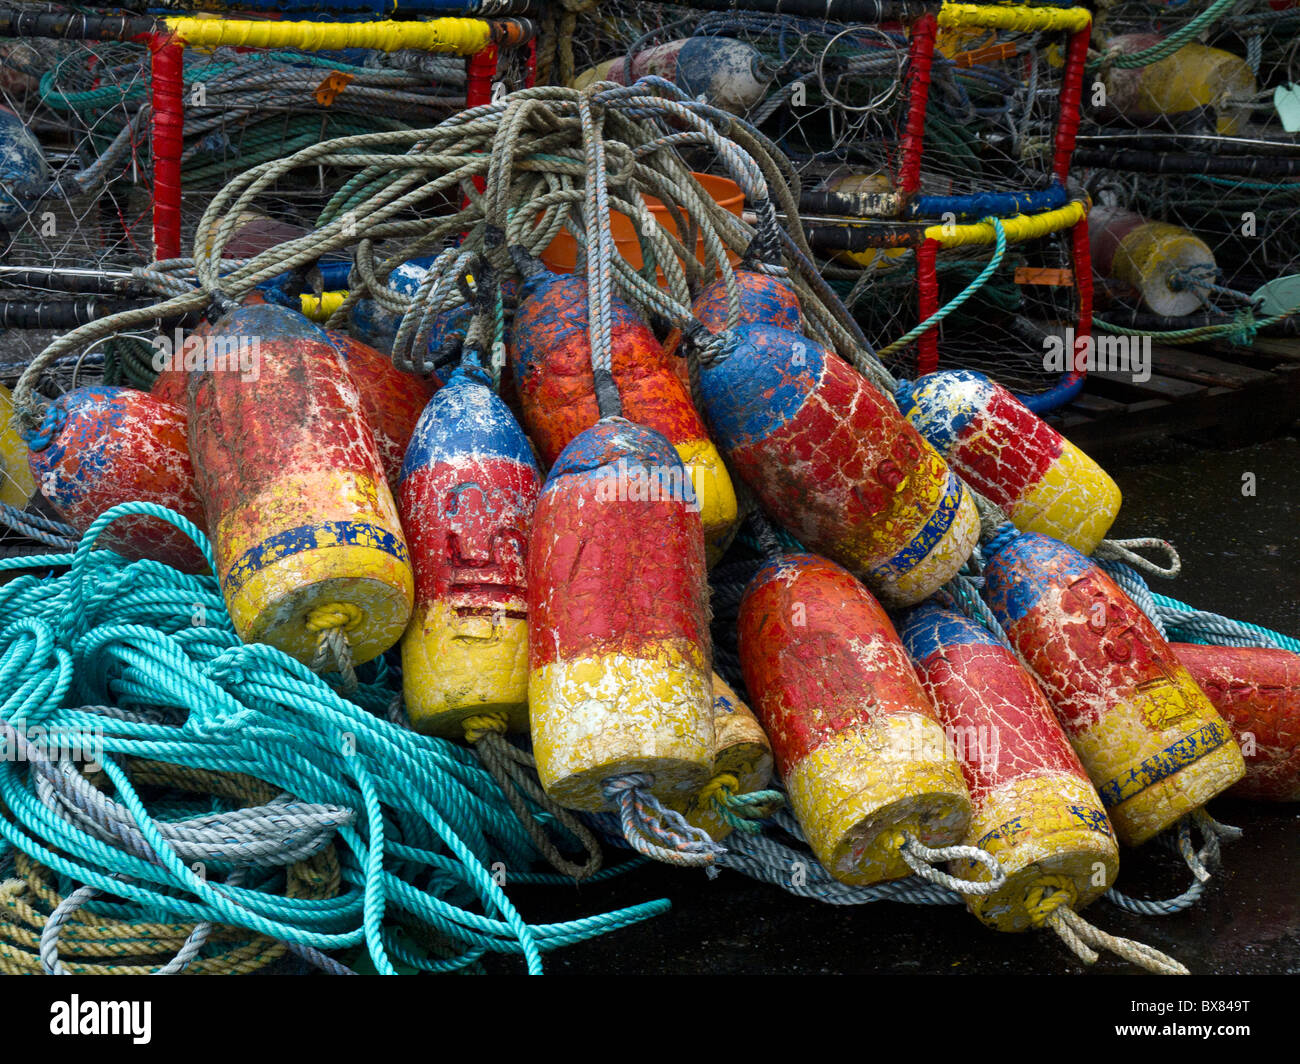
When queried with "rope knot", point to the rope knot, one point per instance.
{"points": [[483, 724], [345, 615], [617, 785], [1002, 536], [41, 436], [1046, 896], [719, 789]]}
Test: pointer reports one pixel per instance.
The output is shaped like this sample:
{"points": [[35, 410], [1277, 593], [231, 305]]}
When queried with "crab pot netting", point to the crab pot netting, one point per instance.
{"points": [[831, 95], [1215, 158], [1003, 329]]}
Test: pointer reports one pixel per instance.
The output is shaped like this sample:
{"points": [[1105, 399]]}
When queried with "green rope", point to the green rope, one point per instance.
{"points": [[1166, 47], [998, 251]]}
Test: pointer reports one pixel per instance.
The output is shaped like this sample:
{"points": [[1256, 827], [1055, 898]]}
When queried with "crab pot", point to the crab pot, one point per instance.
{"points": [[24, 173], [551, 356], [117, 445], [1032, 804], [862, 754], [1012, 456], [300, 515], [1257, 691], [763, 299], [1151, 742], [721, 71], [836, 464], [391, 400], [468, 490], [740, 749], [619, 677]]}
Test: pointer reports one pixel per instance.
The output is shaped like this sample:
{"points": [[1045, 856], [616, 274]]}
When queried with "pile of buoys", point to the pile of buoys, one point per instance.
{"points": [[930, 670]]}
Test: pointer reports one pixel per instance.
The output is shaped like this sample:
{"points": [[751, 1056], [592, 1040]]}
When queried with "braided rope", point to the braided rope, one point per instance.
{"points": [[654, 830]]}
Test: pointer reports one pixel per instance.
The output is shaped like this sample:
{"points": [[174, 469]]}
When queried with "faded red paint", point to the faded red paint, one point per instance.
{"points": [[608, 576], [849, 441], [299, 414], [557, 390], [391, 400], [820, 655], [982, 694], [1257, 691], [121, 445], [1019, 454]]}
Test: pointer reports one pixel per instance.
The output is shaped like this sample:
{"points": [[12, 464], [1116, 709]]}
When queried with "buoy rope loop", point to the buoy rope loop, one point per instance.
{"points": [[655, 831], [1084, 940], [1124, 550], [921, 859], [515, 773], [741, 811]]}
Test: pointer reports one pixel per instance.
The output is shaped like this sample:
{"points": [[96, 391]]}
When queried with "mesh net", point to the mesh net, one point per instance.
{"points": [[1206, 151]]}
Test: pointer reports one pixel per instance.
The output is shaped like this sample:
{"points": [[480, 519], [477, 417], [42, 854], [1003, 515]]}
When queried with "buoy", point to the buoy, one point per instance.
{"points": [[619, 678], [468, 489], [304, 526], [1151, 741], [551, 358], [114, 445], [1033, 806], [856, 741], [1194, 76], [835, 462], [1013, 457], [17, 486], [1148, 255], [24, 173], [391, 400], [372, 323], [659, 61], [723, 72], [742, 759], [763, 299], [1257, 691]]}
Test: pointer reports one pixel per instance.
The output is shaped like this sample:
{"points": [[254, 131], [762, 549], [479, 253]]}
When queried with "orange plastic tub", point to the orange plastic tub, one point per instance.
{"points": [[561, 255]]}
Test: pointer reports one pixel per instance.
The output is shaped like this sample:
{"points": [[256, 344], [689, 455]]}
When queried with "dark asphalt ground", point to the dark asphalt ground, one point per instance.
{"points": [[1240, 558]]}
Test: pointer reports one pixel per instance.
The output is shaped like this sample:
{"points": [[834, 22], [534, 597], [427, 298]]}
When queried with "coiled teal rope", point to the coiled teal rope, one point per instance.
{"points": [[430, 823]]}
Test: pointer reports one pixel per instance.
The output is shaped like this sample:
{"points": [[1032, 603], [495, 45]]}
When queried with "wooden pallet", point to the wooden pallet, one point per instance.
{"points": [[1214, 393]]}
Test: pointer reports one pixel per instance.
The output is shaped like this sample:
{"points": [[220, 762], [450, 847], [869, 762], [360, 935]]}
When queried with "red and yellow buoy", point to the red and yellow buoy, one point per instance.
{"points": [[551, 356], [304, 526], [834, 461], [1011, 456], [1257, 690], [112, 445], [467, 494], [1033, 807], [1151, 741], [856, 741], [619, 678]]}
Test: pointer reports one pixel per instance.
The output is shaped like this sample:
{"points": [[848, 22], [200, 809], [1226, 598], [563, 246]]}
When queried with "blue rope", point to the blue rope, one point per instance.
{"points": [[123, 635]]}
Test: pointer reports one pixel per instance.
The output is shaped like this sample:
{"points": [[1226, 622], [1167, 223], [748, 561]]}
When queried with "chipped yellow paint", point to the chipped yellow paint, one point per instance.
{"points": [[17, 485], [1075, 501], [454, 667], [271, 605], [1117, 744], [1029, 826], [942, 562], [853, 794], [602, 716], [740, 749], [713, 492]]}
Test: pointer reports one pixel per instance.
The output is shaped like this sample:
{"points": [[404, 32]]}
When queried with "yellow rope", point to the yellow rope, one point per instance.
{"points": [[1010, 17], [1018, 229]]}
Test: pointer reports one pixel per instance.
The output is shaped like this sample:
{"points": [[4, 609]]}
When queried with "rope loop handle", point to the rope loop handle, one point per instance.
{"points": [[921, 860], [658, 832], [1124, 550]]}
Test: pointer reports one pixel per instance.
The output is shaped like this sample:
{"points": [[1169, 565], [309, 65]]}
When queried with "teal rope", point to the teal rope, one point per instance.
{"points": [[117, 633], [998, 251]]}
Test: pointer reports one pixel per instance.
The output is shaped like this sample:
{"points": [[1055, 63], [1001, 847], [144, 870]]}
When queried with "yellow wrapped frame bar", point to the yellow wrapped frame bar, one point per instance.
{"points": [[460, 36], [1012, 17], [1018, 229]]}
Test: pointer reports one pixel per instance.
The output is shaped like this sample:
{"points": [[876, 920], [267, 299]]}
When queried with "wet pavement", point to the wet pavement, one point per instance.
{"points": [[1240, 555]]}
